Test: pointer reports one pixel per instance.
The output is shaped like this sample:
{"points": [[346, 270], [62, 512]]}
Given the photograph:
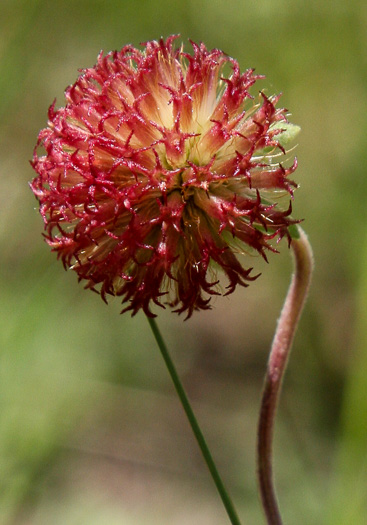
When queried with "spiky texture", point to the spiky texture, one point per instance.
{"points": [[160, 164]]}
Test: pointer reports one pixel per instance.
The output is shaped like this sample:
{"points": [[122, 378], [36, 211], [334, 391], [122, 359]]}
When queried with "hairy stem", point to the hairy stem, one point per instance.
{"points": [[194, 425], [277, 363]]}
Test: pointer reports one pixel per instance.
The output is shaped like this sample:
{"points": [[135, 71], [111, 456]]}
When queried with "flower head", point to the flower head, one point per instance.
{"points": [[159, 168]]}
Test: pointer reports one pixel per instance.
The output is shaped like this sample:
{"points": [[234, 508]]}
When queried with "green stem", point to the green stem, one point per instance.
{"points": [[227, 502]]}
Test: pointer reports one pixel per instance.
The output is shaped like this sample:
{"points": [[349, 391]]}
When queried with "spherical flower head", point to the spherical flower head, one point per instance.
{"points": [[160, 169]]}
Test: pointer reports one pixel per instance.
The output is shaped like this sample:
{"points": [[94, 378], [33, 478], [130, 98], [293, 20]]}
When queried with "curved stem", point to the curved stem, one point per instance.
{"points": [[194, 425], [278, 358]]}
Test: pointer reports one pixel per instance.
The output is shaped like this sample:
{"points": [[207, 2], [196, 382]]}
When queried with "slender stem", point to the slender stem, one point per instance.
{"points": [[194, 425], [278, 358]]}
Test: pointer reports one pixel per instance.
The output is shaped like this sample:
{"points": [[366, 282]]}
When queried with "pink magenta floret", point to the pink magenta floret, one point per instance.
{"points": [[159, 165]]}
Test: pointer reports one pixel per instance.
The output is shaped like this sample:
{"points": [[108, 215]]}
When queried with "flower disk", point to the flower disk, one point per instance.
{"points": [[160, 168]]}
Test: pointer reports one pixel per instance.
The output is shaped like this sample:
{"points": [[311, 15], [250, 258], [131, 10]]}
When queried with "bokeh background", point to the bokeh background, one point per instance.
{"points": [[90, 429]]}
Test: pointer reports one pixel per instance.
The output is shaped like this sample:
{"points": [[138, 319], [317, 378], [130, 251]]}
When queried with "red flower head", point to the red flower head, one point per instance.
{"points": [[158, 166]]}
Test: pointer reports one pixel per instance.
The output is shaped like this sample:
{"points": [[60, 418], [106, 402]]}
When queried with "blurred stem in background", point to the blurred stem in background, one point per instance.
{"points": [[348, 492]]}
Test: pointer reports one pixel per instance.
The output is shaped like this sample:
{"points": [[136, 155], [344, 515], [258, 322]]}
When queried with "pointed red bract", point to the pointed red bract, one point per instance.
{"points": [[157, 167]]}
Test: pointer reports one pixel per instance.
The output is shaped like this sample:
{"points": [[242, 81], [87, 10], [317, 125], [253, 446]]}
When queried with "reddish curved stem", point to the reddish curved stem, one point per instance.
{"points": [[278, 359]]}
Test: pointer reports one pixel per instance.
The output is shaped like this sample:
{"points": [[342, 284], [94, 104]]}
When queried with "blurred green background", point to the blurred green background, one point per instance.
{"points": [[90, 429]]}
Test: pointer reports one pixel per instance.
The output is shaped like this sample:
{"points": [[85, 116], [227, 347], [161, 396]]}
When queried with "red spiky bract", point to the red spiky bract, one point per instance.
{"points": [[158, 166]]}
